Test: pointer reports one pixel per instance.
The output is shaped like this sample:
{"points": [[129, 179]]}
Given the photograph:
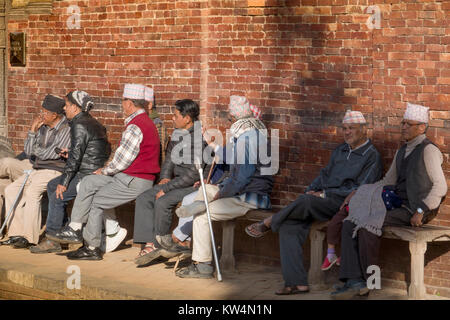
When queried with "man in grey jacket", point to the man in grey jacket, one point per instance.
{"points": [[153, 213], [50, 130], [352, 164]]}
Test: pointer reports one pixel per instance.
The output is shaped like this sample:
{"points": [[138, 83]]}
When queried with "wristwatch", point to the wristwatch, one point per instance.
{"points": [[419, 211]]}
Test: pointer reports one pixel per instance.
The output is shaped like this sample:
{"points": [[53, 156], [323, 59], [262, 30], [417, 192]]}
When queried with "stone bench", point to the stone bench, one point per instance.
{"points": [[418, 237], [227, 261]]}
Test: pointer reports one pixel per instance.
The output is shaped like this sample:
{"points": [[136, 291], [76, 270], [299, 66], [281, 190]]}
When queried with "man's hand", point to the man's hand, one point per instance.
{"points": [[164, 181], [197, 184], [347, 200], [159, 194], [60, 189], [416, 220], [37, 123], [98, 171], [315, 193], [208, 138], [64, 153]]}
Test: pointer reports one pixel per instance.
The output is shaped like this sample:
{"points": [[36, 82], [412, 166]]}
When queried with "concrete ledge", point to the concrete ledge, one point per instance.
{"points": [[24, 275]]}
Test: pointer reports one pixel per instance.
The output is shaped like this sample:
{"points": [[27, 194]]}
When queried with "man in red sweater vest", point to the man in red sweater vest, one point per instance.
{"points": [[131, 172]]}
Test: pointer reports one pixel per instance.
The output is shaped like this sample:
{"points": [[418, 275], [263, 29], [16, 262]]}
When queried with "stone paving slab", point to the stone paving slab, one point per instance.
{"points": [[44, 276]]}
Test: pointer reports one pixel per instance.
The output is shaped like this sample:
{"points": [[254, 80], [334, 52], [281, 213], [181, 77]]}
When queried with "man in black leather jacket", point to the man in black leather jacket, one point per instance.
{"points": [[89, 151]]}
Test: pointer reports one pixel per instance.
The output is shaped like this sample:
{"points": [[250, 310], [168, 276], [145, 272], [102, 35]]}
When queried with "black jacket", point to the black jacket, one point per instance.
{"points": [[89, 148], [183, 174]]}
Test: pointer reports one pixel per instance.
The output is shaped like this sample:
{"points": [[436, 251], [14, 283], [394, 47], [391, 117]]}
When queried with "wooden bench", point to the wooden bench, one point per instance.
{"points": [[418, 237]]}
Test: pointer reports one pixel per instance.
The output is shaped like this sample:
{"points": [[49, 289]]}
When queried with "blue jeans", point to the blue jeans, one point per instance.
{"points": [[57, 207]]}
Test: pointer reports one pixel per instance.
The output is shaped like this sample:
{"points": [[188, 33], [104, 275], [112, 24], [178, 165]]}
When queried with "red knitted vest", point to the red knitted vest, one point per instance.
{"points": [[146, 164]]}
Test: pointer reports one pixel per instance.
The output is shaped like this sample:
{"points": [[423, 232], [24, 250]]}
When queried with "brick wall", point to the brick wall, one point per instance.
{"points": [[304, 62]]}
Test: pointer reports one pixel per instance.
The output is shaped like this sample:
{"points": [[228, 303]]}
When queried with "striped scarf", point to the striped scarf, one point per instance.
{"points": [[241, 126]]}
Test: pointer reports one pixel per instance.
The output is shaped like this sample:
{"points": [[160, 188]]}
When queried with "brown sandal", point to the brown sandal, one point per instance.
{"points": [[257, 229], [147, 249], [290, 290]]}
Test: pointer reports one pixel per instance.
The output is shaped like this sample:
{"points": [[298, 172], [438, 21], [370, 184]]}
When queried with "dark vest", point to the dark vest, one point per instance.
{"points": [[413, 183]]}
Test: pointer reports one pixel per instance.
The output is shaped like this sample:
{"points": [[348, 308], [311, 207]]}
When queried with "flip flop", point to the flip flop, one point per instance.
{"points": [[257, 229], [290, 290]]}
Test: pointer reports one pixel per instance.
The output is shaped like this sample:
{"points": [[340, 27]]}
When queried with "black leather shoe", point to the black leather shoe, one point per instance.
{"points": [[10, 241], [84, 253], [21, 243], [67, 235]]}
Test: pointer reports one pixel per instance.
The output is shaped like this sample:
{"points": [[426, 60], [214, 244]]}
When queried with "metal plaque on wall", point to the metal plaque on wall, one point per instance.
{"points": [[17, 55]]}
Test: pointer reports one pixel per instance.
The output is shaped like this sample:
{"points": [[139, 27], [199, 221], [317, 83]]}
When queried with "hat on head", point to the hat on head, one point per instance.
{"points": [[239, 107], [82, 99], [416, 112], [138, 92], [53, 103], [353, 117], [256, 111]]}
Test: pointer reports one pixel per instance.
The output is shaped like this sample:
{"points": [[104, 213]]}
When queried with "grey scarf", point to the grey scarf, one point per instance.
{"points": [[367, 209]]}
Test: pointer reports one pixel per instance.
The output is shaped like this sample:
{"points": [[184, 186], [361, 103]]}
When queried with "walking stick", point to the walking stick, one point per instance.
{"points": [[200, 171], [27, 173], [211, 170]]}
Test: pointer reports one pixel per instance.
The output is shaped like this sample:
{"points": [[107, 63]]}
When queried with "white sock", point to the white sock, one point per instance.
{"points": [[75, 225]]}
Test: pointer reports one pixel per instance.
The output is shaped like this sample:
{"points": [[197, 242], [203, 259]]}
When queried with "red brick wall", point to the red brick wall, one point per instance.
{"points": [[304, 62]]}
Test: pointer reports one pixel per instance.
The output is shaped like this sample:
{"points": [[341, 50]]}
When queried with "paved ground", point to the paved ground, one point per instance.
{"points": [[27, 275]]}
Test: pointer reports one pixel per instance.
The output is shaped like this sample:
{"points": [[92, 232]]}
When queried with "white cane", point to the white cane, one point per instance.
{"points": [[200, 171], [27, 174]]}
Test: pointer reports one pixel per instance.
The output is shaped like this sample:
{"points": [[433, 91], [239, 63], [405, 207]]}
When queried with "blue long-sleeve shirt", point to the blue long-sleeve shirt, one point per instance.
{"points": [[348, 169], [245, 178]]}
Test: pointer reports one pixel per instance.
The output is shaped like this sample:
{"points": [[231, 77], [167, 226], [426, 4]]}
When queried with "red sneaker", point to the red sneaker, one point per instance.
{"points": [[327, 264]]}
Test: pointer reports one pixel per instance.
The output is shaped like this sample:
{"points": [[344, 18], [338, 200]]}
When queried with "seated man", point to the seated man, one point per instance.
{"points": [[89, 150], [352, 164], [114, 233], [415, 181], [246, 188], [50, 130], [131, 171], [153, 213]]}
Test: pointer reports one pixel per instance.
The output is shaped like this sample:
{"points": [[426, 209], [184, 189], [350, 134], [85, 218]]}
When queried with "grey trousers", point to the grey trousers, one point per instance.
{"points": [[293, 223], [358, 253], [154, 217], [98, 193]]}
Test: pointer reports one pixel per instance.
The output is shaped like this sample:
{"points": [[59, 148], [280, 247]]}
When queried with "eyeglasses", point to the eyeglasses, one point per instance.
{"points": [[408, 124], [45, 112]]}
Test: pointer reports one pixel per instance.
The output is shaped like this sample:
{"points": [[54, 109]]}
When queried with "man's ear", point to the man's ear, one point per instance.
{"points": [[188, 118], [424, 127]]}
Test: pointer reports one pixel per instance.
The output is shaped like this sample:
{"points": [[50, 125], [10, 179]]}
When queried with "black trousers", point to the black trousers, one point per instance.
{"points": [[293, 223], [152, 217], [358, 253]]}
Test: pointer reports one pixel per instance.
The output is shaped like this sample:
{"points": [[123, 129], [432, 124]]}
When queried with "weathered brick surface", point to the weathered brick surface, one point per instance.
{"points": [[304, 62]]}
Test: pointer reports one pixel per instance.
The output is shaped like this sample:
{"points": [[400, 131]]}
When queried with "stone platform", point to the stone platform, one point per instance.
{"points": [[24, 275]]}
